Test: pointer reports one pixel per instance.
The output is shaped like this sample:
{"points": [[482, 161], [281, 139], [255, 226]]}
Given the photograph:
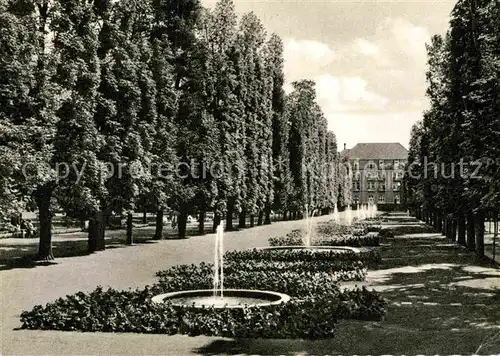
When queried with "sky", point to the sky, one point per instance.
{"points": [[367, 57]]}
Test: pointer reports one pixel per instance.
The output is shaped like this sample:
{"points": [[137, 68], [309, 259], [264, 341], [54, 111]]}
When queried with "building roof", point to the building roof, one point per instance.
{"points": [[343, 153], [377, 150]]}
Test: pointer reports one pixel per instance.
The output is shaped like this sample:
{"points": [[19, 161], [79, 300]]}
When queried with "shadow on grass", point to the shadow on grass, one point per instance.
{"points": [[362, 338], [14, 256], [455, 319]]}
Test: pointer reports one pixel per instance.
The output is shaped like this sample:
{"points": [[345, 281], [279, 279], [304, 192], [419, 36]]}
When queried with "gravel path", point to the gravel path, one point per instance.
{"points": [[120, 268]]}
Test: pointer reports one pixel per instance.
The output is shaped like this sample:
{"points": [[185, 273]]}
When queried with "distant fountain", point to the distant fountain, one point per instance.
{"points": [[336, 215], [307, 239], [372, 210], [219, 262], [309, 227], [348, 215], [219, 297], [363, 212]]}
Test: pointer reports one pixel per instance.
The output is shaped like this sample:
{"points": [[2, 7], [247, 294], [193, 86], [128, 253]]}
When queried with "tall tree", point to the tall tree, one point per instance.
{"points": [[275, 63]]}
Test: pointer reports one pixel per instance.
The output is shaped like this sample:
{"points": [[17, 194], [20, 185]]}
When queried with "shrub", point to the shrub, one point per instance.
{"points": [[343, 270], [386, 233], [368, 257], [132, 311], [309, 278], [331, 228], [406, 230], [294, 239]]}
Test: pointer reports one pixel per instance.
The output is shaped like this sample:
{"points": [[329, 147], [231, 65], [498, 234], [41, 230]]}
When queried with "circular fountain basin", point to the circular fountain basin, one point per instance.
{"points": [[312, 248], [233, 298]]}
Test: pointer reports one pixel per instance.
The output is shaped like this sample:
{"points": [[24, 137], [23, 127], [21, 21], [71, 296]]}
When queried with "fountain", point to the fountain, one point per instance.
{"points": [[218, 297], [309, 227], [336, 216], [308, 241], [348, 215]]}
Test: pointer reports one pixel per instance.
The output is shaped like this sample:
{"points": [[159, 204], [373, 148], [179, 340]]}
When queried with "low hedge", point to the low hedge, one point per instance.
{"points": [[367, 257], [316, 305], [346, 240], [133, 311], [406, 230], [341, 270], [295, 239], [332, 228]]}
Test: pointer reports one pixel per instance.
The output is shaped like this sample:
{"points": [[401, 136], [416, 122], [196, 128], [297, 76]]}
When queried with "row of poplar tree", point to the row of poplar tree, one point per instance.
{"points": [[113, 88], [455, 184]]}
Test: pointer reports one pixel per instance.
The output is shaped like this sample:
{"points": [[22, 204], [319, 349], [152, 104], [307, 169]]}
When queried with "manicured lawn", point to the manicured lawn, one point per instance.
{"points": [[442, 301]]}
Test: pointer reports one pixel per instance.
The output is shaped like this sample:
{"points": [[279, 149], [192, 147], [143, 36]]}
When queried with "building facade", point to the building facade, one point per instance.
{"points": [[377, 172]]}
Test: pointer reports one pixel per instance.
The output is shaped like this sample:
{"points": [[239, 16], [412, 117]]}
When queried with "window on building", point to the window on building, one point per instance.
{"points": [[396, 199], [381, 187], [356, 199], [356, 165], [381, 199], [397, 175], [371, 199], [356, 185], [396, 186], [396, 164], [372, 185], [381, 164], [370, 165]]}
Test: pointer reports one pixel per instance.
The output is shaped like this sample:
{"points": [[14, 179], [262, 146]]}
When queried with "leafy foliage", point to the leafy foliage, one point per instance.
{"points": [[317, 301]]}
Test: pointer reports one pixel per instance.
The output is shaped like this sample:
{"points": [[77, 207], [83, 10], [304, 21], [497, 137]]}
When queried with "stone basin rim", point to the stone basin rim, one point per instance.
{"points": [[249, 293], [300, 247]]}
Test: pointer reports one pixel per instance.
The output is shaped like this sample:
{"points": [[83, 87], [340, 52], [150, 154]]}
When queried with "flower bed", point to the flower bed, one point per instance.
{"points": [[311, 279], [331, 228], [344, 270], [295, 239], [406, 230], [367, 257]]}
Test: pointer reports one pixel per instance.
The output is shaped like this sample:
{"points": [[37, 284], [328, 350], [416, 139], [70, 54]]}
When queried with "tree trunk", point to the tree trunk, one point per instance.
{"points": [[96, 238], [130, 238], [471, 242], [182, 223], [454, 225], [201, 223], [252, 220], [450, 228], [159, 225], [461, 230], [285, 215], [217, 220], [260, 218], [101, 241], [229, 216], [479, 239], [144, 215], [93, 234], [242, 219], [45, 215], [267, 219]]}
